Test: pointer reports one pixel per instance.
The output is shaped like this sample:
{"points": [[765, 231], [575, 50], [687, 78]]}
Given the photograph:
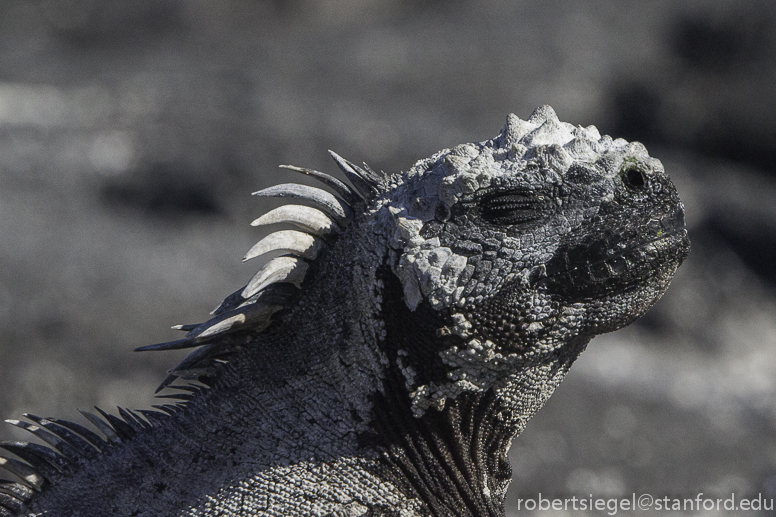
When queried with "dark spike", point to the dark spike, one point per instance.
{"points": [[67, 450], [185, 368], [103, 426], [178, 344], [204, 375], [230, 302], [23, 471], [193, 339], [18, 490], [186, 328], [177, 396], [201, 374], [167, 380], [123, 429], [155, 418], [139, 418], [371, 177], [191, 374], [167, 408], [203, 353], [365, 181], [78, 443], [131, 419], [187, 387], [199, 335], [343, 190], [10, 502], [37, 456], [92, 438], [277, 294], [377, 177]]}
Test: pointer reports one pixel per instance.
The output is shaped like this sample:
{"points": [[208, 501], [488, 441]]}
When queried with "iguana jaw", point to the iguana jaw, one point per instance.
{"points": [[600, 268]]}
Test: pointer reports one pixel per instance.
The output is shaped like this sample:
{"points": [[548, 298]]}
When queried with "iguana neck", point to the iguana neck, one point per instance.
{"points": [[455, 457]]}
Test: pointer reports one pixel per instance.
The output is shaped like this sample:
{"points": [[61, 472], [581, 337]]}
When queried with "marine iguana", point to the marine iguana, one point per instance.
{"points": [[384, 362]]}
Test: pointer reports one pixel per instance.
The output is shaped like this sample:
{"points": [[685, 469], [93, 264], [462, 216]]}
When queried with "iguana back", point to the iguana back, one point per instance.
{"points": [[407, 328]]}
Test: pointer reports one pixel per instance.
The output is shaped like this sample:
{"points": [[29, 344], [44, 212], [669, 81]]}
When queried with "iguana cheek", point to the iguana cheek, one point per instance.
{"points": [[514, 319]]}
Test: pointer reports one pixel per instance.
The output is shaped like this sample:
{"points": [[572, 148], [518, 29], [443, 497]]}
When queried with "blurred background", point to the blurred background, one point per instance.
{"points": [[132, 134]]}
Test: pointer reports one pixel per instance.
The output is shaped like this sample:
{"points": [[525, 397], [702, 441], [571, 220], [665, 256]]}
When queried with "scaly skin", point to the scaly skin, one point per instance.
{"points": [[434, 322]]}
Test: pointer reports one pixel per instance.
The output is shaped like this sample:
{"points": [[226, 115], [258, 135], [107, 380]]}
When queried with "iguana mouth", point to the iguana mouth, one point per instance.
{"points": [[616, 262]]}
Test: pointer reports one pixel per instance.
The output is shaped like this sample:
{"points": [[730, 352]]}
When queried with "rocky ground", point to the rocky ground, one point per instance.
{"points": [[131, 134]]}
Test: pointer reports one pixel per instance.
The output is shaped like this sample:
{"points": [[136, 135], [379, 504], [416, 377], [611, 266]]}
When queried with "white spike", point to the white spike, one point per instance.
{"points": [[307, 218], [281, 269], [328, 202], [299, 243], [258, 316]]}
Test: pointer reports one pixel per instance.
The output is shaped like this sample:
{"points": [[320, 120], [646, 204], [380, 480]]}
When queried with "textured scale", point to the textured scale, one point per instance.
{"points": [[383, 364]]}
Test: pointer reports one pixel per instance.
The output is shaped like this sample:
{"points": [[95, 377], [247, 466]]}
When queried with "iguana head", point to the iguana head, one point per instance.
{"points": [[552, 211], [505, 251], [523, 242]]}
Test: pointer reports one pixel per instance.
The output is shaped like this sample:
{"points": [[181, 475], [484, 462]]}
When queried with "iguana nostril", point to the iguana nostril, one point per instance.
{"points": [[635, 178]]}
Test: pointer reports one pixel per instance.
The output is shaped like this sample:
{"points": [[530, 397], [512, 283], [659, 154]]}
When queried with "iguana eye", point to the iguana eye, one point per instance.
{"points": [[634, 178], [510, 208]]}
